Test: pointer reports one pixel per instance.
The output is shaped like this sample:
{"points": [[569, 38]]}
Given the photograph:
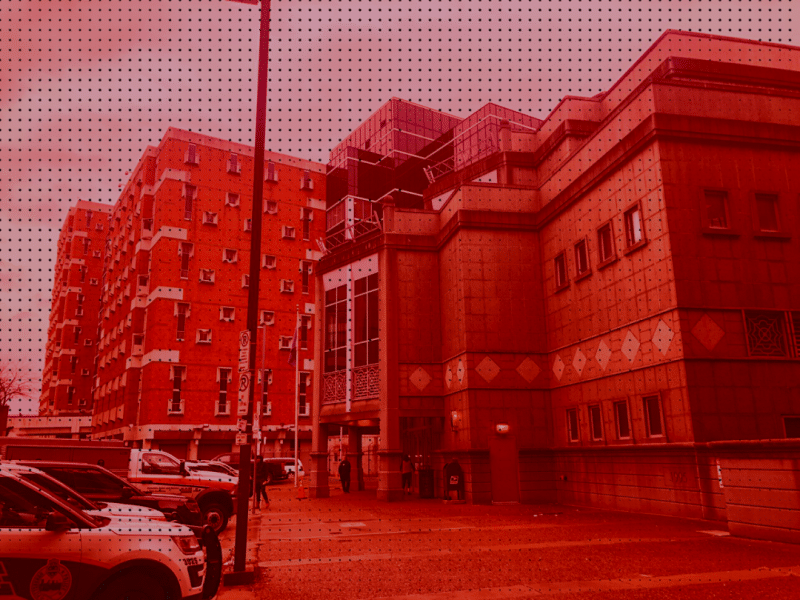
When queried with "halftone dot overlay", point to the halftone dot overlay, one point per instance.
{"points": [[85, 87]]}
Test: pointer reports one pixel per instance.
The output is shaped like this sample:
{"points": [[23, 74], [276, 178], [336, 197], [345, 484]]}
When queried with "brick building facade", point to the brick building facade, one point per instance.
{"points": [[603, 309], [68, 374], [174, 297]]}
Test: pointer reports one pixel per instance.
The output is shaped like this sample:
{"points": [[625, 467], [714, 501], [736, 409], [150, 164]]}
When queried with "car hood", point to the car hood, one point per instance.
{"points": [[129, 527], [114, 510]]}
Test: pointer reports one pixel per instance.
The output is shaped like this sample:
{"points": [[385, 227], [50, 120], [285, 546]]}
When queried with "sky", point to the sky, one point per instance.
{"points": [[86, 86]]}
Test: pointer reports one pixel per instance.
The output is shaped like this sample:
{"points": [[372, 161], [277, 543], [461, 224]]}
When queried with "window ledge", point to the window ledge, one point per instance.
{"points": [[720, 232], [562, 288], [635, 247], [607, 263], [582, 276], [772, 235]]}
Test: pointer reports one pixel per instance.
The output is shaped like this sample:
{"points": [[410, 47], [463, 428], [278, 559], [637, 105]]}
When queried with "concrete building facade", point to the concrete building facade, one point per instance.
{"points": [[604, 309]]}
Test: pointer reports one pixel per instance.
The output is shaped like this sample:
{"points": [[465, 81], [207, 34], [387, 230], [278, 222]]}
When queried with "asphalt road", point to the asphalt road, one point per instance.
{"points": [[353, 547]]}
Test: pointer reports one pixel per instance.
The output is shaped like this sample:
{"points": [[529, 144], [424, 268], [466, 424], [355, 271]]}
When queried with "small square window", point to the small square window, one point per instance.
{"points": [[287, 286], [234, 166], [232, 199], [623, 425], [245, 281], [207, 275], [267, 317], [210, 218], [605, 243], [560, 267], [271, 172], [717, 209], [767, 211], [581, 258], [269, 262], [573, 434], [247, 225], [227, 313], [230, 256], [285, 342], [634, 230], [288, 232], [652, 412], [191, 157], [203, 336], [271, 207], [596, 422]]}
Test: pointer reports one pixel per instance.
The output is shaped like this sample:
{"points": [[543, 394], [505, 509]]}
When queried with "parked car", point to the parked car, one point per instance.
{"points": [[288, 465], [275, 472], [50, 549]]}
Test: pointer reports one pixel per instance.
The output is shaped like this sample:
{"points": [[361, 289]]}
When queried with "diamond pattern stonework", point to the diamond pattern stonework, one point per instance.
{"points": [[630, 346], [558, 367], [448, 377], [579, 361], [487, 369], [461, 372], [603, 354], [528, 370], [662, 337], [420, 379], [707, 332]]}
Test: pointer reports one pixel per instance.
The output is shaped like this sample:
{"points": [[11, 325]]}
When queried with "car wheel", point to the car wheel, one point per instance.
{"points": [[215, 516], [133, 585]]}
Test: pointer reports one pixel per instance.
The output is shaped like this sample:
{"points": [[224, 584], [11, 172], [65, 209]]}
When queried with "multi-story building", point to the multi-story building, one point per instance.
{"points": [[69, 367], [175, 297], [603, 308]]}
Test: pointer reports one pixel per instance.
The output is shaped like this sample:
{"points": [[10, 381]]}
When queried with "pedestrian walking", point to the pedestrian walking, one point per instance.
{"points": [[261, 478], [344, 475], [408, 470]]}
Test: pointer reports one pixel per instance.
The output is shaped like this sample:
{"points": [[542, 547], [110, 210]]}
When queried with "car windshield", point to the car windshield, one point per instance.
{"points": [[28, 507], [59, 489]]}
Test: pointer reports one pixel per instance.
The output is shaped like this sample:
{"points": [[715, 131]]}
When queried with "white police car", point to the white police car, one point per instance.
{"points": [[51, 550]]}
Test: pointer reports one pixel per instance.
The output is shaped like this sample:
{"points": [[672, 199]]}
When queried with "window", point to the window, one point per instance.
{"points": [[227, 313], [305, 325], [85, 372], [99, 226], [716, 209], [185, 252], [93, 282], [89, 214], [596, 422], [232, 199], [581, 258], [203, 336], [623, 425], [159, 464], [767, 212], [791, 426], [191, 157], [271, 207], [336, 324], [207, 275], [560, 268], [285, 342], [73, 364], [87, 243], [97, 254], [87, 342], [766, 333], [70, 394], [82, 273], [366, 332], [306, 183], [233, 164], [230, 256], [288, 232], [79, 311], [302, 393], [271, 173], [573, 435], [265, 379], [76, 335], [143, 280], [210, 218], [306, 216], [182, 312], [305, 275], [178, 375], [605, 243], [268, 261], [287, 286], [245, 281], [247, 225], [652, 415], [189, 192], [634, 232], [224, 378], [267, 317]]}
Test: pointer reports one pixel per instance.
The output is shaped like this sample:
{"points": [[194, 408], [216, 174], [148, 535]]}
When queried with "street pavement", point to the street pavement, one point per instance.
{"points": [[350, 546]]}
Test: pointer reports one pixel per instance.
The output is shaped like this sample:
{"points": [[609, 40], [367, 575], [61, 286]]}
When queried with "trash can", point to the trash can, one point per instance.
{"points": [[426, 482]]}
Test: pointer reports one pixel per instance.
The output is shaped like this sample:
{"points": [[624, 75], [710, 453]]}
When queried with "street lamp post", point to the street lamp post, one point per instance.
{"points": [[240, 575]]}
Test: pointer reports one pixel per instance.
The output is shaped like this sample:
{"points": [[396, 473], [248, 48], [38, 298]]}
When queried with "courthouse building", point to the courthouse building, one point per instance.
{"points": [[174, 298], [599, 308]]}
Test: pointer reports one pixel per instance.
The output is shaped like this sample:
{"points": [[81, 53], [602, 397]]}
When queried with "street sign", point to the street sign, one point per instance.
{"points": [[244, 350], [241, 439], [241, 425], [244, 393]]}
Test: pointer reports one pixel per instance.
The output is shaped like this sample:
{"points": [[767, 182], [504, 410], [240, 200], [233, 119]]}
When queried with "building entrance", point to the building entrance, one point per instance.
{"points": [[504, 462]]}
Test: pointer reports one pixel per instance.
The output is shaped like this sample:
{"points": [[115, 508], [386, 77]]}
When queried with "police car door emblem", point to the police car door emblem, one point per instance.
{"points": [[52, 582]]}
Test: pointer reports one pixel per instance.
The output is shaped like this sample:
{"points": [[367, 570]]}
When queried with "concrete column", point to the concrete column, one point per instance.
{"points": [[319, 463], [191, 451], [356, 457]]}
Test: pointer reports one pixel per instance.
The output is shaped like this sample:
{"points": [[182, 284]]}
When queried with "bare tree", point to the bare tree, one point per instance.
{"points": [[12, 385]]}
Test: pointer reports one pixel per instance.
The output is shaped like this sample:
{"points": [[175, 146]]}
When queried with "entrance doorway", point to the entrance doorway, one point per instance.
{"points": [[504, 461]]}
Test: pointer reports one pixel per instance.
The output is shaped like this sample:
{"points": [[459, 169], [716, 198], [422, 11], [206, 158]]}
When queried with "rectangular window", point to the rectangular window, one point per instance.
{"points": [[767, 212], [573, 434], [271, 207], [185, 251], [766, 333], [285, 342], [366, 332], [271, 173], [605, 243], [288, 232], [178, 375], [247, 225], [336, 325], [265, 378], [306, 183], [210, 218], [207, 275], [230, 256], [89, 214], [621, 415], [189, 192], [82, 273], [233, 164], [305, 275], [70, 395], [717, 209], [305, 324], [634, 231], [203, 336], [86, 245], [143, 280], [227, 313], [245, 281], [287, 286], [73, 364], [224, 376], [232, 199], [267, 317], [302, 393], [596, 422], [191, 157], [581, 258], [306, 216], [560, 267], [269, 262], [182, 312], [652, 415], [77, 335]]}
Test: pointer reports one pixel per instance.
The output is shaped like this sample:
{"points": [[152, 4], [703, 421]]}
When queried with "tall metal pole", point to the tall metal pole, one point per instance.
{"points": [[240, 547], [297, 390]]}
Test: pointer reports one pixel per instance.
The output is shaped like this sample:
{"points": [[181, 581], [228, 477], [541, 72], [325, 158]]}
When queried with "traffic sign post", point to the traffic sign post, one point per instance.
{"points": [[245, 382]]}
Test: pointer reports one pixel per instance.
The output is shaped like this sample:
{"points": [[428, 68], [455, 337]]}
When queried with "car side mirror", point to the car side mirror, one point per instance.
{"points": [[57, 522], [182, 469]]}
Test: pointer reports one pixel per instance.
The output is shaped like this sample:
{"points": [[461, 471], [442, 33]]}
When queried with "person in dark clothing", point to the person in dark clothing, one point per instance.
{"points": [[344, 475], [261, 479], [407, 468]]}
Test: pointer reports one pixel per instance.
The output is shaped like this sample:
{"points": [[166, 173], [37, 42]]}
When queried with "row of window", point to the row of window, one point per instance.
{"points": [[607, 252], [651, 407], [364, 326], [766, 211]]}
